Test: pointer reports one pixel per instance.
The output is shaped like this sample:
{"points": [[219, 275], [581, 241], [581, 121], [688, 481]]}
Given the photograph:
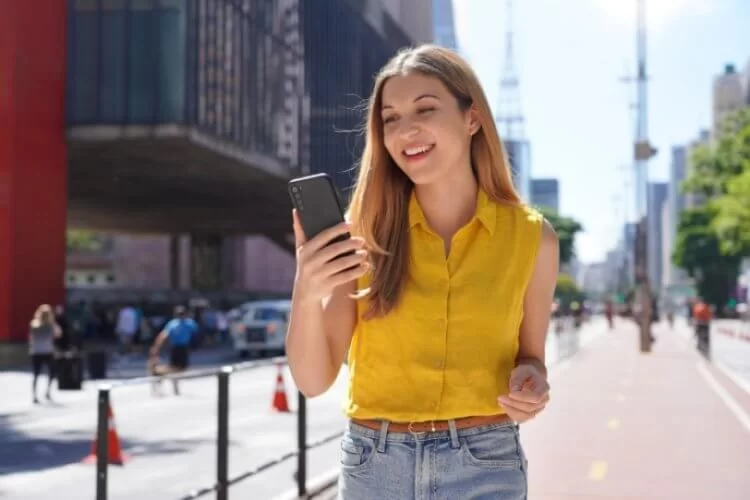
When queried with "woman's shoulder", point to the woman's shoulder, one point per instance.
{"points": [[523, 214]]}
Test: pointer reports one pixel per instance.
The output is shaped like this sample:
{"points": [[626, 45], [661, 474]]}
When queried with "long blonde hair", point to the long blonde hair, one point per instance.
{"points": [[380, 199], [43, 316]]}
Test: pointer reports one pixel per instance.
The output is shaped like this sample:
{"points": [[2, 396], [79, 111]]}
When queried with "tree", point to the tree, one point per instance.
{"points": [[567, 291], [698, 251], [721, 173], [566, 229]]}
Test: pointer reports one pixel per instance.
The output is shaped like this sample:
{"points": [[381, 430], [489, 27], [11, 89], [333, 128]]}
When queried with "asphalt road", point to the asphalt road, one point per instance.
{"points": [[170, 441]]}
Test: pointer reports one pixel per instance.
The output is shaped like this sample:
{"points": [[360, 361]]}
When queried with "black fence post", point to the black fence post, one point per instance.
{"points": [[102, 445], [222, 435], [301, 445]]}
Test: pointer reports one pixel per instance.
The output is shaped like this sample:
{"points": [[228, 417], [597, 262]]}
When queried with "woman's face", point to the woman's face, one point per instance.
{"points": [[425, 131]]}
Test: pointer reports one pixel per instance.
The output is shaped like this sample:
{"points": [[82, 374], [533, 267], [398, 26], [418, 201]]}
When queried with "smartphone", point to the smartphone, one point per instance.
{"points": [[318, 206]]}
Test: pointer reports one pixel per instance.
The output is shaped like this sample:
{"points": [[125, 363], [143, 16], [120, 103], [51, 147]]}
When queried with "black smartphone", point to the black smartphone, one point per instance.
{"points": [[318, 205]]}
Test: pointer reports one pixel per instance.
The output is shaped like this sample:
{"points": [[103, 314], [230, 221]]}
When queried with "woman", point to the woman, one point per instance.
{"points": [[43, 332], [443, 307]]}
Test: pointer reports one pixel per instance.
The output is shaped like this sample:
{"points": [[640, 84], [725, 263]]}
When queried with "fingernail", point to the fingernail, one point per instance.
{"points": [[515, 388]]}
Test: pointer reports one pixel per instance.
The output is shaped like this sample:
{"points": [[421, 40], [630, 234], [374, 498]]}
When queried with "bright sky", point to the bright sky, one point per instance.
{"points": [[571, 56]]}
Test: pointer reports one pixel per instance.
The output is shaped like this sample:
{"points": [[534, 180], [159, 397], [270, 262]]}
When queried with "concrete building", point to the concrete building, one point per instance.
{"points": [[374, 30], [546, 193], [729, 94], [656, 199], [415, 17]]}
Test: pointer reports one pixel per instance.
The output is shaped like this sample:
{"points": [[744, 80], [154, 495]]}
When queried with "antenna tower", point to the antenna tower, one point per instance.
{"points": [[510, 120]]}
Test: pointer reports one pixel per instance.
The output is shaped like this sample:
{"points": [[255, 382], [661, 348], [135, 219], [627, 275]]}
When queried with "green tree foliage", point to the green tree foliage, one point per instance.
{"points": [[698, 251], [566, 229], [567, 291], [713, 239]]}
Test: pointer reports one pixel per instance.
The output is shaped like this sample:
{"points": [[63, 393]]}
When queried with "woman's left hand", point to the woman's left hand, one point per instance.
{"points": [[529, 393]]}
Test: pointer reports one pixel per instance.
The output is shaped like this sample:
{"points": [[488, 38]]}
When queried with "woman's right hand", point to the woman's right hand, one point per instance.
{"points": [[318, 271]]}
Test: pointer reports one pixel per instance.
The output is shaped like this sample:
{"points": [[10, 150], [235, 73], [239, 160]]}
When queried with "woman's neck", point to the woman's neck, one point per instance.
{"points": [[449, 204]]}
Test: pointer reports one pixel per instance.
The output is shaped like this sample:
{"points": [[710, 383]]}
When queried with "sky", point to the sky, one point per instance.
{"points": [[571, 57]]}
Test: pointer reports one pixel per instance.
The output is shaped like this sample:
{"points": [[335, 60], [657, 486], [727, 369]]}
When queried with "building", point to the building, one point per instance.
{"points": [[443, 24], [695, 200], [656, 197], [519, 156], [729, 94], [415, 17], [671, 274], [545, 193], [338, 65]]}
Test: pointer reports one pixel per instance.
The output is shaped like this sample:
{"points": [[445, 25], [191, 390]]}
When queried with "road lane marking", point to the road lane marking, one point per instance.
{"points": [[734, 377], [598, 470], [613, 423], [728, 400]]}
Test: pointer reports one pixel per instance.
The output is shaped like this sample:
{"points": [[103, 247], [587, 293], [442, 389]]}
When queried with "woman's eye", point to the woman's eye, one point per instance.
{"points": [[424, 111], [389, 119]]}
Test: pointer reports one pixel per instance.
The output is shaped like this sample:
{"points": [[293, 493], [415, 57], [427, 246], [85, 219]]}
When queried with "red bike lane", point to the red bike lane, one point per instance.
{"points": [[625, 425]]}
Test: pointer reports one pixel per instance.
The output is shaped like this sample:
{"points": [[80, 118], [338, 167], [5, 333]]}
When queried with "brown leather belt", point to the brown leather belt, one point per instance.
{"points": [[435, 426]]}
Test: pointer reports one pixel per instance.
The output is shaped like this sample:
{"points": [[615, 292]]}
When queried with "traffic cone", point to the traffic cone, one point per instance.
{"points": [[280, 403], [116, 456]]}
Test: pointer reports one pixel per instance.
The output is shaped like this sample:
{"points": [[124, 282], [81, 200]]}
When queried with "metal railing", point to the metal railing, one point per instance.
{"points": [[223, 481]]}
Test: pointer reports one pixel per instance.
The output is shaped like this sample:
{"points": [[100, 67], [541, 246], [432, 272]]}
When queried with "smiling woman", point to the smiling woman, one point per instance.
{"points": [[443, 303]]}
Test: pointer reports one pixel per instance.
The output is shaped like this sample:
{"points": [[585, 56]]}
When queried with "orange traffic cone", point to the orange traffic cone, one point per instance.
{"points": [[116, 456], [280, 402]]}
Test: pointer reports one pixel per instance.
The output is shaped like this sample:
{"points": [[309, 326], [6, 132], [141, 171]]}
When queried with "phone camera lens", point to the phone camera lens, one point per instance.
{"points": [[294, 189]]}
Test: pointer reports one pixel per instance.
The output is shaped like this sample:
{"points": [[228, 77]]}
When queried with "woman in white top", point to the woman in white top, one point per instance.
{"points": [[43, 331]]}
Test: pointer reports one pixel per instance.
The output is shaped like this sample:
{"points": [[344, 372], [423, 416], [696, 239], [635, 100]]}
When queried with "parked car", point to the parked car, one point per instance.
{"points": [[262, 328]]}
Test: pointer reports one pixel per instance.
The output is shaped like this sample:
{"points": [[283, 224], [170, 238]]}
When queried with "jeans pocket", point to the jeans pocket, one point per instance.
{"points": [[355, 451], [495, 449]]}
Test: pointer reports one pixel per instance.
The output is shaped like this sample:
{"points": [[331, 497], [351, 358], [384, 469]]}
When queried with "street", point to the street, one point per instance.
{"points": [[170, 442]]}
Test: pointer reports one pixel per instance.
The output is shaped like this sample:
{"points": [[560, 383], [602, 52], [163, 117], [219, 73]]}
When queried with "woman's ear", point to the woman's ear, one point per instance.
{"points": [[473, 121]]}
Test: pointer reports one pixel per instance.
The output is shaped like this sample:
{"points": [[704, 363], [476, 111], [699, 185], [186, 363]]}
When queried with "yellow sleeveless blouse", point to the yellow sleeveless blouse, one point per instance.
{"points": [[448, 348]]}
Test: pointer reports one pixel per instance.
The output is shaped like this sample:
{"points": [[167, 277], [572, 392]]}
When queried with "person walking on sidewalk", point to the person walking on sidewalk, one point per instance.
{"points": [[445, 303], [179, 331], [43, 332]]}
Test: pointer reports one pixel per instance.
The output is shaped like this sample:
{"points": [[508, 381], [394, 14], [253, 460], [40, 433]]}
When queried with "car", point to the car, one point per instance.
{"points": [[262, 328]]}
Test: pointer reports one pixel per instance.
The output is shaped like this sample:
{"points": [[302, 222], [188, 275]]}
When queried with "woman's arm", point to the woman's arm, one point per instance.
{"points": [[319, 337], [538, 301]]}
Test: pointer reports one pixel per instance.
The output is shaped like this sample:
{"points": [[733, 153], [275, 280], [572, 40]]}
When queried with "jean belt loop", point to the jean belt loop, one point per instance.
{"points": [[383, 434], [454, 434]]}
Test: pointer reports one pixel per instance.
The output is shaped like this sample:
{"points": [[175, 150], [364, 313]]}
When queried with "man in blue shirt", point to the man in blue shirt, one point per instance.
{"points": [[179, 331]]}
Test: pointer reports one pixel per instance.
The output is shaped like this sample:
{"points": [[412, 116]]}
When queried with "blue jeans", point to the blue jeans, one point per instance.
{"points": [[484, 462]]}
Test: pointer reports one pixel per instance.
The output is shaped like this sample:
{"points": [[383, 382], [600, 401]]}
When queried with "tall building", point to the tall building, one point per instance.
{"points": [[656, 197], [671, 274], [729, 94], [545, 193], [694, 200], [443, 25]]}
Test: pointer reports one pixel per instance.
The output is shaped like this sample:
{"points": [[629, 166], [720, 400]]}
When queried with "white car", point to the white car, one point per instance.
{"points": [[262, 328]]}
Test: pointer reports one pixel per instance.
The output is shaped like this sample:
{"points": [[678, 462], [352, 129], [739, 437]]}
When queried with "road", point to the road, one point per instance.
{"points": [[170, 441]]}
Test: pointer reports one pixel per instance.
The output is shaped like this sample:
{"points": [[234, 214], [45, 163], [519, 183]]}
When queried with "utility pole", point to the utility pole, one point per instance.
{"points": [[643, 151]]}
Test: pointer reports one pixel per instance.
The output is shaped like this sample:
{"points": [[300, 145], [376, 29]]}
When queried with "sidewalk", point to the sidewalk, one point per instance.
{"points": [[622, 425]]}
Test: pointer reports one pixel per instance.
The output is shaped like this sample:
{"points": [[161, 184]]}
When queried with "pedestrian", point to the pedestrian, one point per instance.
{"points": [[43, 333], [444, 305], [179, 331]]}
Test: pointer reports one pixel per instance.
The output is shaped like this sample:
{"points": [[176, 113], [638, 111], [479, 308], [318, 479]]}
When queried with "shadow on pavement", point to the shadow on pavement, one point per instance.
{"points": [[20, 452]]}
